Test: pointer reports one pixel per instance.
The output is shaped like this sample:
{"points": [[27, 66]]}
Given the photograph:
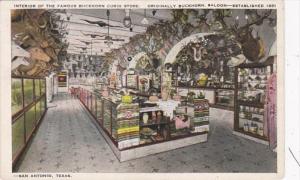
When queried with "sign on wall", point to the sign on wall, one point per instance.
{"points": [[62, 79]]}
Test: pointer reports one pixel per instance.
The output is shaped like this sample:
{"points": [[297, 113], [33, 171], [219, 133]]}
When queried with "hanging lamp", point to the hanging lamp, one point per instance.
{"points": [[109, 42], [145, 20], [127, 19]]}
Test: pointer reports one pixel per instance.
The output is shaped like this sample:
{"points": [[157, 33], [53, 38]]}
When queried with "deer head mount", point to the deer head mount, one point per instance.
{"points": [[253, 47]]}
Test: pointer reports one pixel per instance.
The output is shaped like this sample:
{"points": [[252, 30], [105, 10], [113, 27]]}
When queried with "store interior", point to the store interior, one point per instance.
{"points": [[144, 90]]}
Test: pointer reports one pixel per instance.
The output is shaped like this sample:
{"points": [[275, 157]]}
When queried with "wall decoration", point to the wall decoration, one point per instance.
{"points": [[62, 79]]}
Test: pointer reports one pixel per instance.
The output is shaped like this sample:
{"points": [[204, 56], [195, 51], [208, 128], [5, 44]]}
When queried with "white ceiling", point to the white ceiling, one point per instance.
{"points": [[77, 28]]}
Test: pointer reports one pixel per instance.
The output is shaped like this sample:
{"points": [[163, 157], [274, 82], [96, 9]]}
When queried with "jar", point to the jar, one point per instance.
{"points": [[260, 131], [242, 115], [145, 118], [246, 127]]}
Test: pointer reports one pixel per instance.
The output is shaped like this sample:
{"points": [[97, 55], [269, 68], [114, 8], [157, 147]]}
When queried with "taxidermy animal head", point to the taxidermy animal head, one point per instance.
{"points": [[253, 48]]}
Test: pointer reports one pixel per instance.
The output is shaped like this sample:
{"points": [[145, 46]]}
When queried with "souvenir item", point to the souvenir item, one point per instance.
{"points": [[202, 79], [127, 99], [145, 118], [181, 122]]}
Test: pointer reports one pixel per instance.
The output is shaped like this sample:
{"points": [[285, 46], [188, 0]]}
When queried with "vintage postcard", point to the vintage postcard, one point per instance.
{"points": [[142, 89]]}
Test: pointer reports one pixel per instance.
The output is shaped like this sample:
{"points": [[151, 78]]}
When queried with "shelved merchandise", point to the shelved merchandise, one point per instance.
{"points": [[132, 81], [250, 95], [107, 115], [224, 98], [201, 116], [127, 125], [153, 125]]}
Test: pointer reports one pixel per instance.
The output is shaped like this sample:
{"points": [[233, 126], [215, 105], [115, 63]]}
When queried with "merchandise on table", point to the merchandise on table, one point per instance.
{"points": [[128, 130]]}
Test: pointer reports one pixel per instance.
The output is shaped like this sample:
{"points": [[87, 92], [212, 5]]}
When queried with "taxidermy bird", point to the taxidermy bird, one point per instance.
{"points": [[99, 23]]}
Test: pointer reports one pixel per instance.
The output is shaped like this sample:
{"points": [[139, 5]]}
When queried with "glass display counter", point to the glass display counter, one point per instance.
{"points": [[28, 106], [128, 127]]}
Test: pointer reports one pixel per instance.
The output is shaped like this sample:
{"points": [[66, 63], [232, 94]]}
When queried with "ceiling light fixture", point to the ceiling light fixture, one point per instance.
{"points": [[127, 19], [145, 20], [68, 16], [109, 41]]}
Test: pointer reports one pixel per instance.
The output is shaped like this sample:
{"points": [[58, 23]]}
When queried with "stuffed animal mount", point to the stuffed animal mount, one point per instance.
{"points": [[253, 47], [40, 33]]}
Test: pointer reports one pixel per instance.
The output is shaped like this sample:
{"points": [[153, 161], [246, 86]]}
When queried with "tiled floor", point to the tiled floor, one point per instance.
{"points": [[67, 141]]}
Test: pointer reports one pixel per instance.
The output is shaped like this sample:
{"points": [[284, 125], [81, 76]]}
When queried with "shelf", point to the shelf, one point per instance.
{"points": [[219, 106], [268, 62], [140, 94], [252, 104], [250, 120], [252, 134], [247, 89], [209, 88], [149, 109], [153, 124]]}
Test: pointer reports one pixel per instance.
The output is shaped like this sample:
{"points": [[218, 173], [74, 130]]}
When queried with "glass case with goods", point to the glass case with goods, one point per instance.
{"points": [[131, 125], [200, 120], [126, 125], [224, 98], [26, 117], [38, 112], [250, 99], [18, 136], [107, 115], [30, 121], [154, 126], [190, 118], [43, 104], [43, 86]]}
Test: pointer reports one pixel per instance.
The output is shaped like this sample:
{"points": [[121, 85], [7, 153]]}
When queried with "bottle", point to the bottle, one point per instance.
{"points": [[145, 118]]}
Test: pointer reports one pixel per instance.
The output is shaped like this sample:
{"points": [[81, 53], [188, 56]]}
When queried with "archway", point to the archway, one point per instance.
{"points": [[171, 56]]}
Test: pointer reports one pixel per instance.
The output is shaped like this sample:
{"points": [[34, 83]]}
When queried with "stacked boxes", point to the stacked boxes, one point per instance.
{"points": [[201, 115], [127, 125]]}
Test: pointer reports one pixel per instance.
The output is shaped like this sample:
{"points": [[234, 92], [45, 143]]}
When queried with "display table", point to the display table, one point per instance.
{"points": [[134, 132]]}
